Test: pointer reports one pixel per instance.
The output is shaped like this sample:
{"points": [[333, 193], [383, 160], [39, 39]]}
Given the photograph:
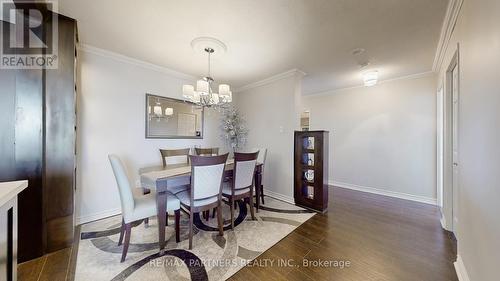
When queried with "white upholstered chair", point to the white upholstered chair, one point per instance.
{"points": [[207, 173], [136, 207], [261, 159], [241, 186]]}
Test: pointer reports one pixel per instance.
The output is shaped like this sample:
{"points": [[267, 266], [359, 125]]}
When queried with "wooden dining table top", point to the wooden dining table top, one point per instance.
{"points": [[149, 175]]}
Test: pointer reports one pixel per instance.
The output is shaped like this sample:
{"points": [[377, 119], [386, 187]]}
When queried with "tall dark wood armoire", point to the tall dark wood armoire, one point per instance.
{"points": [[38, 143]]}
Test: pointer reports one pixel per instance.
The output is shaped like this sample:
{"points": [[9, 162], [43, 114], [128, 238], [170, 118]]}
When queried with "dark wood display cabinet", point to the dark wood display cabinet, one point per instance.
{"points": [[311, 170]]}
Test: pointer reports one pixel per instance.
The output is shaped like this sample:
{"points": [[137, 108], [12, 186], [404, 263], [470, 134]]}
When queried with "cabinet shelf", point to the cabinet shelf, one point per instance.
{"points": [[311, 194]]}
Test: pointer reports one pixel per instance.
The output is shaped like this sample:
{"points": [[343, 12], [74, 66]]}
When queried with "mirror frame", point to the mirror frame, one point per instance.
{"points": [[146, 119]]}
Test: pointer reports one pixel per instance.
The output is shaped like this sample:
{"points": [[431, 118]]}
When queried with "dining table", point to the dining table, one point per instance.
{"points": [[161, 179]]}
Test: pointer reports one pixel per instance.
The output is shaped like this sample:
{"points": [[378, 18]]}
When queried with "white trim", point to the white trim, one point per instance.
{"points": [[411, 76], [379, 191], [443, 222], [122, 58], [461, 270], [97, 216], [271, 79], [279, 196], [449, 23]]}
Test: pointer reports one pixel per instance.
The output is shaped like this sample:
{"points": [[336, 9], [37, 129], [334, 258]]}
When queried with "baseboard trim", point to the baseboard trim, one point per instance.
{"points": [[400, 195], [279, 196], [443, 222], [97, 216], [460, 269]]}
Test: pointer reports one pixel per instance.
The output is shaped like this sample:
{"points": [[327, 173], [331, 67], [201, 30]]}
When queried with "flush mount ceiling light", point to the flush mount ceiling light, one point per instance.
{"points": [[370, 78], [204, 96]]}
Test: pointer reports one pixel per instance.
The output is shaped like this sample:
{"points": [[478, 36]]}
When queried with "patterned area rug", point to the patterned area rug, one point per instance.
{"points": [[212, 258]]}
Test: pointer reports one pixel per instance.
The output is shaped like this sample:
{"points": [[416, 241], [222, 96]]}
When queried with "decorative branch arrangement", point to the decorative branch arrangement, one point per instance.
{"points": [[233, 129]]}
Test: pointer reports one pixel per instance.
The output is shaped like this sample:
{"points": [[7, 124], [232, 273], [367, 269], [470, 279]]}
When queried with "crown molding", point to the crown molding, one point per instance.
{"points": [[449, 23], [271, 79], [122, 58], [406, 77]]}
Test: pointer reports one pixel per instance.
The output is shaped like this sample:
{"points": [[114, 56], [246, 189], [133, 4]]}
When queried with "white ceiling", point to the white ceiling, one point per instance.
{"points": [[267, 37]]}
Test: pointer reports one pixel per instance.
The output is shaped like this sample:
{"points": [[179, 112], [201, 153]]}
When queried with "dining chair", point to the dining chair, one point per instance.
{"points": [[174, 156], [205, 193], [261, 159], [207, 151], [241, 185], [137, 207], [171, 157]]}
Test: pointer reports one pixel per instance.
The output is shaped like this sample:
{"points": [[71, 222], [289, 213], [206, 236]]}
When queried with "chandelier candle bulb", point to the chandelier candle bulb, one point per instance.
{"points": [[169, 111], [224, 90], [188, 91], [202, 87], [157, 110]]}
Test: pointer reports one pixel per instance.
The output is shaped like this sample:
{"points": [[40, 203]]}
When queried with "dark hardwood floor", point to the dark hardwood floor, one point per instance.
{"points": [[383, 238], [57, 266]]}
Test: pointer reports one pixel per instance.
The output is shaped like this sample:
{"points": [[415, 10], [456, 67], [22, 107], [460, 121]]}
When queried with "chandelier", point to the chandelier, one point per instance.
{"points": [[157, 112], [204, 96]]}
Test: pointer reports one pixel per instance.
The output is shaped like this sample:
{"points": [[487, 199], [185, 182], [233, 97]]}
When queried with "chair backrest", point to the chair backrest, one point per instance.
{"points": [[262, 155], [207, 151], [175, 156], [244, 169], [124, 186], [207, 173]]}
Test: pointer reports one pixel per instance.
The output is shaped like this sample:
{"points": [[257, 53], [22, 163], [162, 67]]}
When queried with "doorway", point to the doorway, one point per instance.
{"points": [[450, 168]]}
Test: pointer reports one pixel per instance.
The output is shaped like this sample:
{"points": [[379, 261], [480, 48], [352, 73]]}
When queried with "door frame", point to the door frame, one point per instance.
{"points": [[449, 187]]}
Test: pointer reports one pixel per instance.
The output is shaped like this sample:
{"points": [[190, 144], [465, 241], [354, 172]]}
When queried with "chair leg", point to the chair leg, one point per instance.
{"points": [[262, 193], [177, 225], [146, 222], [213, 213], [191, 230], [250, 203], [128, 230], [219, 220], [122, 231], [166, 220], [232, 213]]}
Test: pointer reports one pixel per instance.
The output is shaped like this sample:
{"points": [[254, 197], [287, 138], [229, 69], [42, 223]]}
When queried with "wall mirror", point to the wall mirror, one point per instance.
{"points": [[168, 118]]}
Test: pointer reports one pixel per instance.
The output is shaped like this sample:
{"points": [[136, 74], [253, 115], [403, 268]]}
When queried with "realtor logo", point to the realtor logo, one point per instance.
{"points": [[29, 35]]}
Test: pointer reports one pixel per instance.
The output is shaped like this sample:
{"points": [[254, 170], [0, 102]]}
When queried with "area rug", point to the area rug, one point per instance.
{"points": [[212, 258]]}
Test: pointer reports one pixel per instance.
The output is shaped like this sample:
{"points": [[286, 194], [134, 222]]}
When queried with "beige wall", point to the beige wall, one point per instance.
{"points": [[272, 117], [382, 138], [478, 35]]}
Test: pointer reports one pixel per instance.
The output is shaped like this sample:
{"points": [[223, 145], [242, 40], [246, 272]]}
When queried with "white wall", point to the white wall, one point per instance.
{"points": [[272, 117], [382, 138], [111, 104], [477, 33]]}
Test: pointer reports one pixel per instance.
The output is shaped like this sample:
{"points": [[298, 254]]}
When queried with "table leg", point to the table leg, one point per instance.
{"points": [[161, 205], [258, 182]]}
